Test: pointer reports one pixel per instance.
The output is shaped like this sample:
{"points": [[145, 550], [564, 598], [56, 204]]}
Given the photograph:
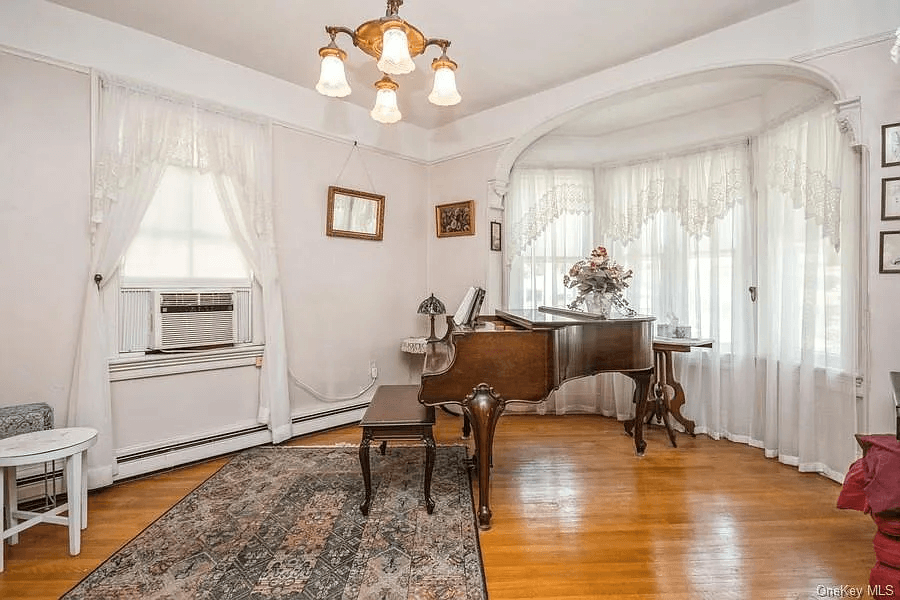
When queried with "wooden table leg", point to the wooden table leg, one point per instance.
{"points": [[428, 438], [366, 473], [678, 399]]}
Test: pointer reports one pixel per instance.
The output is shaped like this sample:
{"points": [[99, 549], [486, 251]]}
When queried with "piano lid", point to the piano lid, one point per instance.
{"points": [[548, 317]]}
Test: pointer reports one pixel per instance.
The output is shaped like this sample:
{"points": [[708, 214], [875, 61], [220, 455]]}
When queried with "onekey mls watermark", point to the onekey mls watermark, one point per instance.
{"points": [[855, 591]]}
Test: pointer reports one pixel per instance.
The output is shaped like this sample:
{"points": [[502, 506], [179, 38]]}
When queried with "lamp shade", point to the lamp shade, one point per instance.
{"points": [[444, 92], [385, 109], [431, 306], [395, 58], [332, 78]]}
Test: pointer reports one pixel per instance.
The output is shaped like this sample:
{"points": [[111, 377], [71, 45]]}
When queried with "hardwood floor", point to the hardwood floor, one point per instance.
{"points": [[576, 515]]}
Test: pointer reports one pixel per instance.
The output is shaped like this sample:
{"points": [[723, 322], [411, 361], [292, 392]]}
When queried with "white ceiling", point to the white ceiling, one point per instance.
{"points": [[505, 49]]}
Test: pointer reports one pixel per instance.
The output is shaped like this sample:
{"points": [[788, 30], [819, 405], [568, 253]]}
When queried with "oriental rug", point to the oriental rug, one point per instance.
{"points": [[278, 523]]}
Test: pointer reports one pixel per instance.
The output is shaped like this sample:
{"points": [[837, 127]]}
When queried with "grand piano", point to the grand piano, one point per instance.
{"points": [[523, 355]]}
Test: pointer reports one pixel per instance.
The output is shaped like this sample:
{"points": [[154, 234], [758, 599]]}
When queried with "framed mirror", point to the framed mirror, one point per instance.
{"points": [[354, 214]]}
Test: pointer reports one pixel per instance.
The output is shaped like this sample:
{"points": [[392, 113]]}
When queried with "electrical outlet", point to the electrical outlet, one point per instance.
{"points": [[373, 369]]}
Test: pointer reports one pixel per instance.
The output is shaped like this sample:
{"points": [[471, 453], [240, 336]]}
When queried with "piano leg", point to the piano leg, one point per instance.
{"points": [[641, 390], [483, 408]]}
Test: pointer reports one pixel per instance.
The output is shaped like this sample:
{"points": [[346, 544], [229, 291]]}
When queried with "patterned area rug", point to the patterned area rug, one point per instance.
{"points": [[279, 523]]}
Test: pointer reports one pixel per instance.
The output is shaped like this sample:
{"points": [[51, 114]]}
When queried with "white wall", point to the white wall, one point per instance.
{"points": [[456, 263], [347, 301], [45, 164]]}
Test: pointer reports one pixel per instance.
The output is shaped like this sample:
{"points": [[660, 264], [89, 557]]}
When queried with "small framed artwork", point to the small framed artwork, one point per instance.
{"points": [[456, 218], [890, 198], [889, 252], [495, 236], [354, 214], [890, 145]]}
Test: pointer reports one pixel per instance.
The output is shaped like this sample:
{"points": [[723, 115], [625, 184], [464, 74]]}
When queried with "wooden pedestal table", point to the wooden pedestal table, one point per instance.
{"points": [[663, 383], [38, 447]]}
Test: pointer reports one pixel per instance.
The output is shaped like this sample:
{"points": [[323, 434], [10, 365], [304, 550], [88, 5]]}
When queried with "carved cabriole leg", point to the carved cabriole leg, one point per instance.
{"points": [[364, 463], [641, 390], [429, 467], [484, 407], [678, 399]]}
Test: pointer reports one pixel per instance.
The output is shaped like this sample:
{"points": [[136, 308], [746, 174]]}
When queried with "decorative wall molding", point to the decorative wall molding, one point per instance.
{"points": [[846, 46], [849, 118], [497, 189]]}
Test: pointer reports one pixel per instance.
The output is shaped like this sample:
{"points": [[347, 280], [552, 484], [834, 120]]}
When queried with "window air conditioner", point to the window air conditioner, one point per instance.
{"points": [[192, 319]]}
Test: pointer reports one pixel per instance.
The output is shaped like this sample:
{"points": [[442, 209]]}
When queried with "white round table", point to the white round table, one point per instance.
{"points": [[39, 447]]}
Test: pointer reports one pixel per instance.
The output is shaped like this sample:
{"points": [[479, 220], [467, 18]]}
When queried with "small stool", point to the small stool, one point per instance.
{"points": [[395, 413]]}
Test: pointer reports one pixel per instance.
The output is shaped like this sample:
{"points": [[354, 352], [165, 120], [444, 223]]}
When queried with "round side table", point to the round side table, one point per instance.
{"points": [[37, 447]]}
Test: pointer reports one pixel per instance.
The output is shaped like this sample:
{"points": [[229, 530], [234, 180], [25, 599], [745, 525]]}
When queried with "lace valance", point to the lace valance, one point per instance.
{"points": [[140, 126], [542, 197], [804, 159], [700, 188]]}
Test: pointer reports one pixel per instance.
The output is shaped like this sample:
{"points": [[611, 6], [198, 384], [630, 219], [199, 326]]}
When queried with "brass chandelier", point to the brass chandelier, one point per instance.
{"points": [[393, 43]]}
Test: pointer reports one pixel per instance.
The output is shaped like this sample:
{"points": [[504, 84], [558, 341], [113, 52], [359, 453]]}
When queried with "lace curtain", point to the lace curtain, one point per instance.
{"points": [[808, 241], [549, 212], [699, 188], [140, 132]]}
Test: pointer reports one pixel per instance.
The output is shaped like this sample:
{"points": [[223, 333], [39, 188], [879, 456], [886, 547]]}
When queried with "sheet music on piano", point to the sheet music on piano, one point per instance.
{"points": [[469, 308]]}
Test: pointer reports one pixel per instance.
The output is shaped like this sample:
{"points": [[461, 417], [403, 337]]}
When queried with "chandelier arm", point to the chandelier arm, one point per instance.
{"points": [[441, 43], [333, 30]]}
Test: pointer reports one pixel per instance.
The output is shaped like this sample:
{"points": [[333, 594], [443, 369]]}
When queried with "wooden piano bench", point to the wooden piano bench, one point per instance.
{"points": [[395, 413]]}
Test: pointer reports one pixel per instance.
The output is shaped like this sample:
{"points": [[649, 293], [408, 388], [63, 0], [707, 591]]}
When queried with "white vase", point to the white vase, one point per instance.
{"points": [[598, 304]]}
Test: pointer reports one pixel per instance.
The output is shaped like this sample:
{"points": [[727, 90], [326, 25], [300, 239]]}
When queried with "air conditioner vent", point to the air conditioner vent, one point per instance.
{"points": [[189, 319]]}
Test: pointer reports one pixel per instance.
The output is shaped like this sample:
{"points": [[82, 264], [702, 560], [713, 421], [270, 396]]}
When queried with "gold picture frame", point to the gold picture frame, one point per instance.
{"points": [[354, 214], [455, 218]]}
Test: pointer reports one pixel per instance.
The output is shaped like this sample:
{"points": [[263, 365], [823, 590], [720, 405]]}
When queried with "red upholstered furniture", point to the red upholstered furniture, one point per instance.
{"points": [[872, 485]]}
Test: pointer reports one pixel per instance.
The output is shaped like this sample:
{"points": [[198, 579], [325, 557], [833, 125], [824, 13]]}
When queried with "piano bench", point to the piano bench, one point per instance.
{"points": [[395, 413]]}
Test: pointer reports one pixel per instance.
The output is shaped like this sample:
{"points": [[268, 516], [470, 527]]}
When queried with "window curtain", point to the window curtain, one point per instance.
{"points": [[701, 228], [808, 299], [693, 260], [140, 132]]}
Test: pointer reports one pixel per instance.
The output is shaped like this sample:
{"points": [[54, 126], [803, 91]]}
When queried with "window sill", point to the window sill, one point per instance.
{"points": [[159, 365]]}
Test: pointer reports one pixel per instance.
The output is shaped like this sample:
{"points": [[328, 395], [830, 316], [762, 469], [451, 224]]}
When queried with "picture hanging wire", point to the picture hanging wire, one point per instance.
{"points": [[355, 148]]}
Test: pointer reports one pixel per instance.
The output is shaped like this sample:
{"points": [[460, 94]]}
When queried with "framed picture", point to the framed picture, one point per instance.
{"points": [[495, 236], [890, 145], [889, 252], [456, 218], [354, 214], [890, 198]]}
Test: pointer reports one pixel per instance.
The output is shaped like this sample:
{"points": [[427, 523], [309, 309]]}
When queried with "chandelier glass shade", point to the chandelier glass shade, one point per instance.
{"points": [[393, 43]]}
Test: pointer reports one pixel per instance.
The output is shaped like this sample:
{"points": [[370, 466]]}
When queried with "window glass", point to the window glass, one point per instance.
{"points": [[184, 234]]}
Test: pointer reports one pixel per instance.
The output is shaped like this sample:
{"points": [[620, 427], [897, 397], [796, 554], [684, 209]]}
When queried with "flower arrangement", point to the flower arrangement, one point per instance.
{"points": [[599, 274]]}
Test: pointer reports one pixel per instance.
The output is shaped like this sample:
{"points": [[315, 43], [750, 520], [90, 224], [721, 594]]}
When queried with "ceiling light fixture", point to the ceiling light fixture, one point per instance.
{"points": [[393, 42]]}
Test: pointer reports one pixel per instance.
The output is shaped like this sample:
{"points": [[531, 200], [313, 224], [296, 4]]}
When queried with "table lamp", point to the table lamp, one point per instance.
{"points": [[431, 306]]}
